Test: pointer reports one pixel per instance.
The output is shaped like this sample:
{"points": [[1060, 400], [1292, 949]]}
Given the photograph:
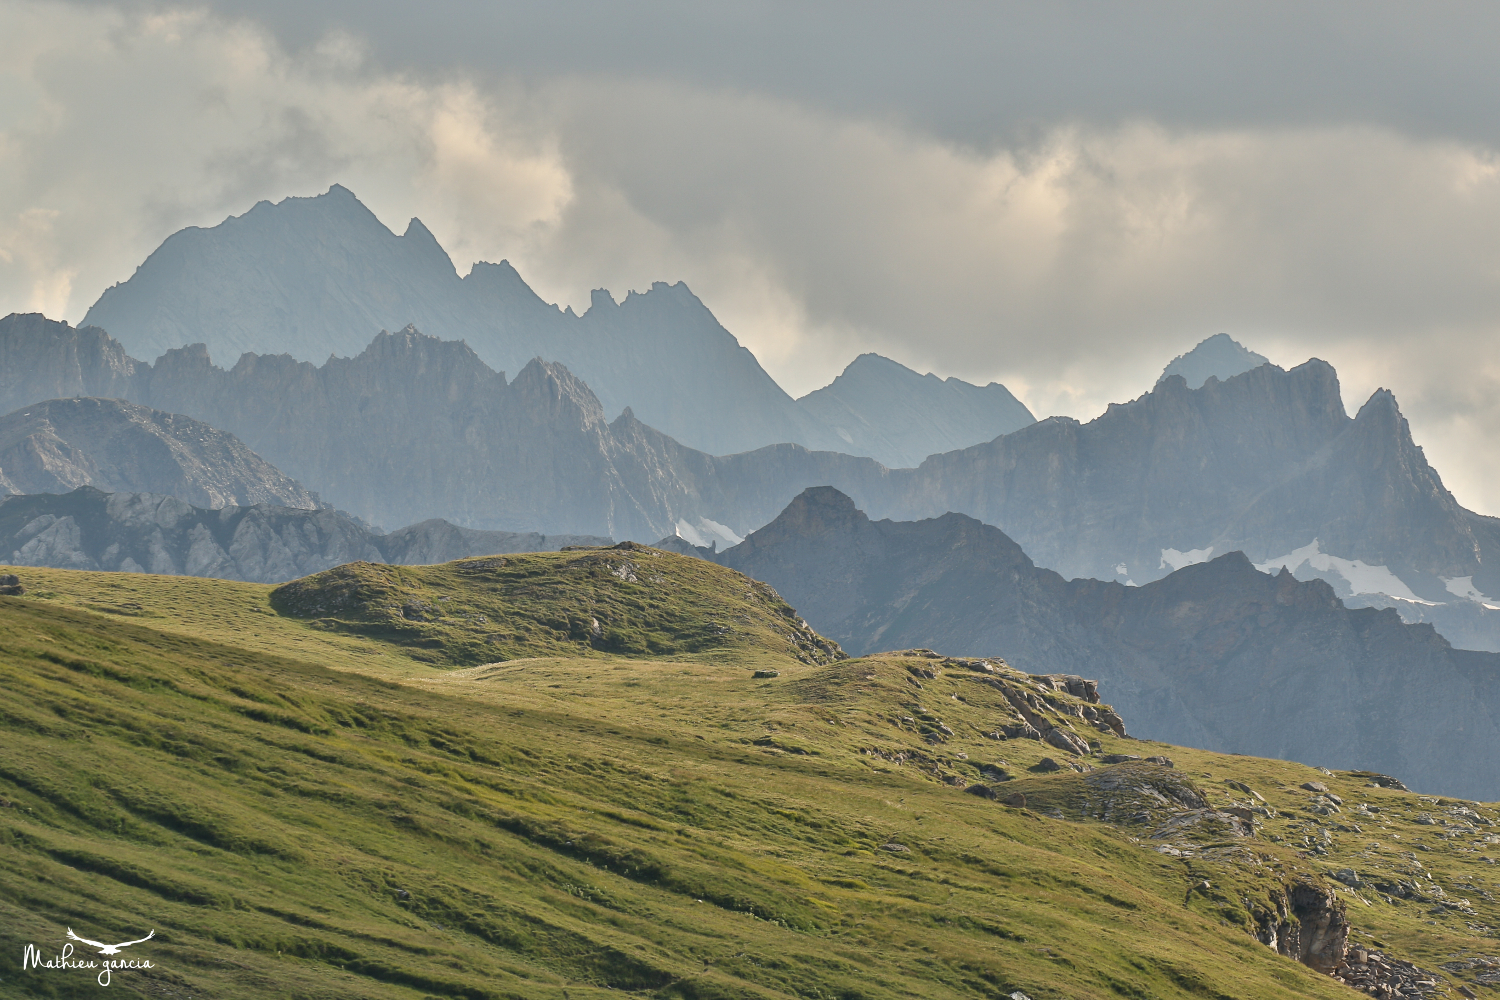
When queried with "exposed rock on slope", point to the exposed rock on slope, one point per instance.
{"points": [[1220, 357], [888, 412], [57, 445], [1217, 655], [149, 533]]}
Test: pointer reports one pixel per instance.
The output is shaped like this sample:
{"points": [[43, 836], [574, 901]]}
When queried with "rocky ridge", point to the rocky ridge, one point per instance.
{"points": [[57, 445], [149, 533], [1217, 655]]}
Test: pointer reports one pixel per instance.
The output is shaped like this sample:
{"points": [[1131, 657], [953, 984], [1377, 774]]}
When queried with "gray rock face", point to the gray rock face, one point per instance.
{"points": [[1216, 655], [314, 277], [149, 533], [57, 445], [888, 412], [1220, 357]]}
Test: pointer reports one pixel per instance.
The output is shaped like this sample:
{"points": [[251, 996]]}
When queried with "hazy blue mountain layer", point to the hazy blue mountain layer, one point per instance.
{"points": [[1266, 462], [1217, 655], [262, 543], [57, 445], [1220, 356], [888, 412], [314, 277]]}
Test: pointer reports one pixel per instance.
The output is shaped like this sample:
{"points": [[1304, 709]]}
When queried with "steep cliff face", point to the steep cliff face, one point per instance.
{"points": [[150, 533], [1217, 655], [42, 359], [57, 445], [886, 411]]}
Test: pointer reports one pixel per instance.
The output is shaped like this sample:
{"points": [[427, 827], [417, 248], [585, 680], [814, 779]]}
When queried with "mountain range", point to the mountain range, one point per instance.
{"points": [[89, 529], [1217, 655], [319, 277], [1266, 462]]}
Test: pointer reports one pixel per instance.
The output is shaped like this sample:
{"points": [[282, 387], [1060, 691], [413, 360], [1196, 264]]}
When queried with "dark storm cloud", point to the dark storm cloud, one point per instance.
{"points": [[1057, 196], [976, 72]]}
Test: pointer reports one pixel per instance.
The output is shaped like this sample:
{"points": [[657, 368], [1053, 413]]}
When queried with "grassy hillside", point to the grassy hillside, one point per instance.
{"points": [[302, 807]]}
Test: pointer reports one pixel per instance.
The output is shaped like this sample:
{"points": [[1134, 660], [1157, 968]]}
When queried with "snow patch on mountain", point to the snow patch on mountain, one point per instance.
{"points": [[1463, 586], [1175, 560], [704, 532], [1360, 576]]}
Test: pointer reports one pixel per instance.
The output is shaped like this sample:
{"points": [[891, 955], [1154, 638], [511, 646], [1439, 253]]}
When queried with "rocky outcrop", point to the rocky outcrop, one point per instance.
{"points": [[149, 533], [886, 411], [57, 445], [1307, 922], [1217, 655]]}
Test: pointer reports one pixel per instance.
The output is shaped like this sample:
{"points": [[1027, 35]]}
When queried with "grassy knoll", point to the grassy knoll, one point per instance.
{"points": [[297, 816]]}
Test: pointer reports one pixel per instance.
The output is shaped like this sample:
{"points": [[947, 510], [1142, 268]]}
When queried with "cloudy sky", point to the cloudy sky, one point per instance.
{"points": [[1057, 196]]}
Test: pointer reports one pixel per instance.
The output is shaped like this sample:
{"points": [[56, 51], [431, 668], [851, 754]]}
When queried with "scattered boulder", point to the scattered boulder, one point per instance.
{"points": [[1163, 761], [895, 848], [1119, 758], [983, 791], [10, 585], [1378, 975], [1198, 822], [1016, 799], [1046, 765], [1314, 786], [1065, 740], [759, 674], [993, 772]]}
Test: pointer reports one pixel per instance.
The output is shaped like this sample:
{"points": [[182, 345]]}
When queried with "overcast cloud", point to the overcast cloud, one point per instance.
{"points": [[1038, 194]]}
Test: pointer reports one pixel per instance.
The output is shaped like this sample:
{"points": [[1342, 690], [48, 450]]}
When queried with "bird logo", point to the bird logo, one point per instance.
{"points": [[109, 949]]}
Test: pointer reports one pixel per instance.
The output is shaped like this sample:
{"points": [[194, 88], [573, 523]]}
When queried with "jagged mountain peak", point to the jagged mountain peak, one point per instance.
{"points": [[1219, 356]]}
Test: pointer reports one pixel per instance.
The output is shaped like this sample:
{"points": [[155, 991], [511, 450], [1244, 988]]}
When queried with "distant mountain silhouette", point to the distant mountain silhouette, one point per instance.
{"points": [[1220, 357], [888, 412], [319, 277]]}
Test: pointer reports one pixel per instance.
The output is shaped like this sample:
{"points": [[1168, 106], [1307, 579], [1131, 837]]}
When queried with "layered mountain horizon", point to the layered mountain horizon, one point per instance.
{"points": [[1266, 462], [319, 277], [1220, 655]]}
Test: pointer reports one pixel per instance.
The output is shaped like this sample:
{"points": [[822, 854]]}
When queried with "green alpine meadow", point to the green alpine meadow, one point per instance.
{"points": [[618, 770]]}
